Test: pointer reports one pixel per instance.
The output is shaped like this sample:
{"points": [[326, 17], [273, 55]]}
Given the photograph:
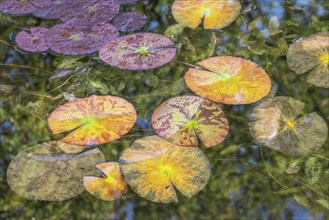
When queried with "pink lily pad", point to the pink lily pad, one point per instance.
{"points": [[33, 41], [139, 51], [129, 21], [76, 40]]}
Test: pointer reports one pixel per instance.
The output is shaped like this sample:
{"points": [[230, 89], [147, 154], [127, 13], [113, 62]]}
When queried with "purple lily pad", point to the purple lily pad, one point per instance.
{"points": [[76, 40], [129, 21], [54, 10], [21, 7], [91, 12], [34, 41], [139, 51], [127, 2]]}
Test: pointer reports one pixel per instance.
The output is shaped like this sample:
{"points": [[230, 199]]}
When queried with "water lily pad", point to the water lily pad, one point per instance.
{"points": [[108, 187], [129, 21], [153, 168], [90, 12], [229, 80], [54, 10], [214, 14], [21, 7], [182, 120], [275, 124], [311, 54], [127, 2], [139, 51], [33, 41], [45, 172], [93, 120], [76, 40]]}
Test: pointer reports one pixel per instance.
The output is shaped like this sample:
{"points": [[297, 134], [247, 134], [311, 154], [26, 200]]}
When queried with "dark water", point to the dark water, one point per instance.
{"points": [[248, 183]]}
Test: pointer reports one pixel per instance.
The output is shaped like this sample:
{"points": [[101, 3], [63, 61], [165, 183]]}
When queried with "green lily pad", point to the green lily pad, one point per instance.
{"points": [[46, 172]]}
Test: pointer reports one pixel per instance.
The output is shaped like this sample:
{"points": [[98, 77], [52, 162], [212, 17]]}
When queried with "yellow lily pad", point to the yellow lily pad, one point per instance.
{"points": [[311, 54], [214, 14], [108, 187], [93, 120], [275, 124], [45, 172], [229, 80], [153, 168], [183, 119]]}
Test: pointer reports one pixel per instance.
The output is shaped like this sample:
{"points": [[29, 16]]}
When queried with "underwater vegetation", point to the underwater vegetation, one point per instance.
{"points": [[124, 127]]}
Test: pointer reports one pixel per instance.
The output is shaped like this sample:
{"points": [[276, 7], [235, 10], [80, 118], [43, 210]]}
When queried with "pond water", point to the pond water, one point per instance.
{"points": [[248, 181]]}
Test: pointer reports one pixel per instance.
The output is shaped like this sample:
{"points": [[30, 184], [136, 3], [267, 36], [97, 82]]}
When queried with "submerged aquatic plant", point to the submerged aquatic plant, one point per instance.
{"points": [[93, 120], [129, 21], [45, 172], [33, 41], [213, 14], [229, 80], [76, 40], [311, 54], [153, 168], [182, 120], [111, 185], [139, 51], [275, 124]]}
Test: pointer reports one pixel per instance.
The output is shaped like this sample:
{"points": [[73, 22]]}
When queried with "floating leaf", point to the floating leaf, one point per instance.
{"points": [[129, 21], [311, 54], [154, 167], [45, 172], [108, 187], [33, 41], [214, 14], [182, 120], [75, 40], [21, 7], [90, 12], [230, 80], [275, 124], [93, 120], [139, 51]]}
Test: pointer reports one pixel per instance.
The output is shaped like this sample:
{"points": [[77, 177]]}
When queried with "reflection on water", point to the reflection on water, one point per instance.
{"points": [[247, 181]]}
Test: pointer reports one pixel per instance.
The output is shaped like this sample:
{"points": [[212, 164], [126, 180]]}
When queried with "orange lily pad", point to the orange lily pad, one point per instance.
{"points": [[215, 14], [275, 124], [153, 168], [229, 80], [183, 119], [108, 187], [93, 120], [311, 54]]}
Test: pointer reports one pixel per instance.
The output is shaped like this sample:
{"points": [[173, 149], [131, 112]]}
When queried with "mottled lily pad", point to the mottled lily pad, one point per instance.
{"points": [[275, 124], [127, 2], [129, 21], [55, 10], [214, 14], [85, 12], [21, 7], [93, 120], [182, 120], [108, 187], [34, 41], [311, 54], [229, 80], [153, 168], [45, 172], [76, 40], [139, 51]]}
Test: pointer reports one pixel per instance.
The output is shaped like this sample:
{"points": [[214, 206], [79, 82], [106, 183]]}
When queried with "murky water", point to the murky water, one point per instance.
{"points": [[247, 181]]}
